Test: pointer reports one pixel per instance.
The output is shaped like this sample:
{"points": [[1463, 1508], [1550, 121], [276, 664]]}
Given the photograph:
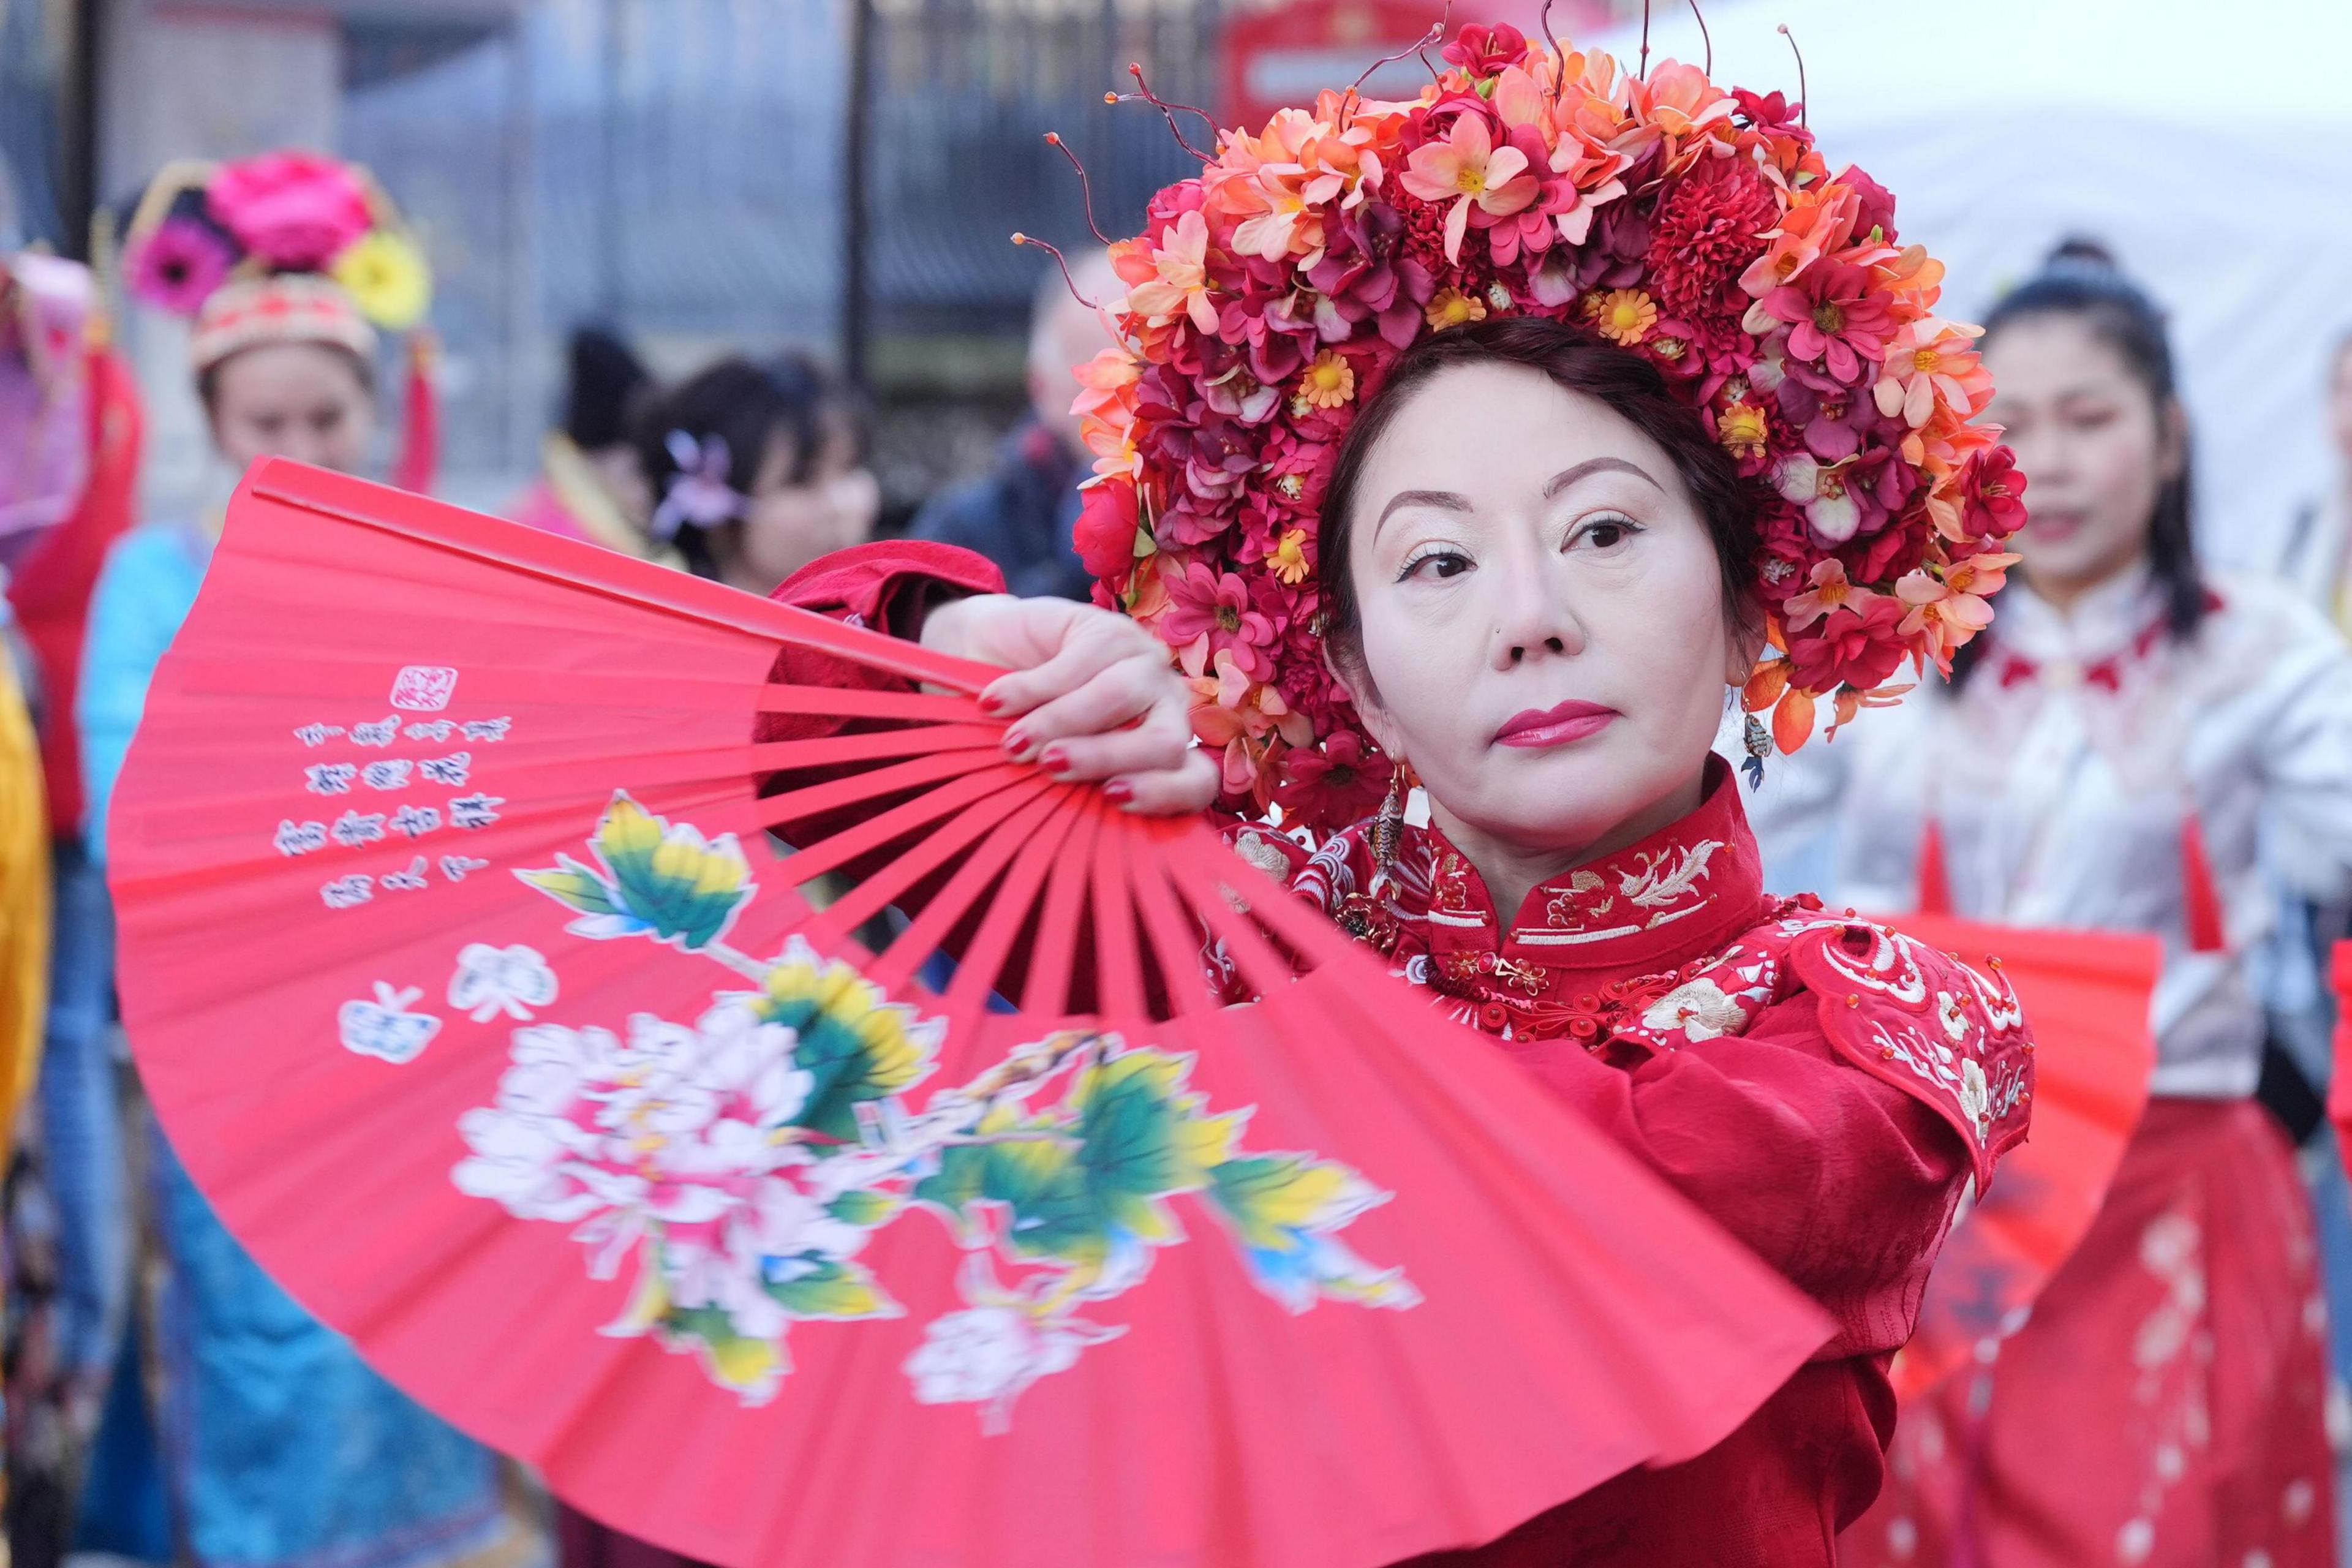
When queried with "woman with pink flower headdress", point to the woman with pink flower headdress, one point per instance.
{"points": [[1501, 440], [2130, 748], [277, 1447]]}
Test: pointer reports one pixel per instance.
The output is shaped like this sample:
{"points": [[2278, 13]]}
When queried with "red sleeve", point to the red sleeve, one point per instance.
{"points": [[1843, 1182], [885, 584]]}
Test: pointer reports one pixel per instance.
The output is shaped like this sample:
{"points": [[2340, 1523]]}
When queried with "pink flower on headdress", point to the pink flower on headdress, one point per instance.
{"points": [[1932, 364], [1815, 224], [1946, 612], [296, 211], [1822, 489], [1836, 321], [178, 266], [1830, 592], [1678, 100], [1211, 612], [1173, 279], [1467, 169]]}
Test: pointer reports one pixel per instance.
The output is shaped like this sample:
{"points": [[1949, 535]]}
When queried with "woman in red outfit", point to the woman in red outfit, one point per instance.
{"points": [[1492, 438], [1540, 573]]}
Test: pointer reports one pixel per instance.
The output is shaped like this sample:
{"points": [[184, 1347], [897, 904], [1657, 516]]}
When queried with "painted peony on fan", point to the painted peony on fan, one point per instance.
{"points": [[465, 962], [2087, 994]]}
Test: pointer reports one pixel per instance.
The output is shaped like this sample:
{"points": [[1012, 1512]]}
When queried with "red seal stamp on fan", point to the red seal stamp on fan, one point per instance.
{"points": [[423, 688]]}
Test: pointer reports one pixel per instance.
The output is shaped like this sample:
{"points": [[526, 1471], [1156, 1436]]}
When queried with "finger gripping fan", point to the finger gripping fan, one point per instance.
{"points": [[852, 1148]]}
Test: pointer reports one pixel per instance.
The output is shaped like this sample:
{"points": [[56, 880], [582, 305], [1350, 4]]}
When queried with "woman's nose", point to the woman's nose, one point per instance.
{"points": [[1534, 618]]}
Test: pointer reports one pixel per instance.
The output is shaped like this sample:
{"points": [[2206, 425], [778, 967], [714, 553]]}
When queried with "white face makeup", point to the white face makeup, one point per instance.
{"points": [[2094, 447], [1543, 628]]}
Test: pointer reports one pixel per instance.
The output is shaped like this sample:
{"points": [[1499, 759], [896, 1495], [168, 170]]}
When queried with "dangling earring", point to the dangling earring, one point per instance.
{"points": [[1759, 746], [1388, 827]]}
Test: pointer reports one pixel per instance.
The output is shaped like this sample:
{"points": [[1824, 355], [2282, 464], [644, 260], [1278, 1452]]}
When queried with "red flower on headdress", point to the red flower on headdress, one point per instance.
{"points": [[1852, 646], [1707, 229], [1343, 782], [1485, 51], [1108, 516], [1991, 496], [296, 211], [1768, 111], [1874, 205]]}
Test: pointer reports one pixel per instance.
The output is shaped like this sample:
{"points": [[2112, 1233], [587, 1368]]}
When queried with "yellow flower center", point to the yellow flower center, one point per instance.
{"points": [[1741, 430], [1925, 361], [1452, 308], [1471, 182], [1625, 316], [1329, 382]]}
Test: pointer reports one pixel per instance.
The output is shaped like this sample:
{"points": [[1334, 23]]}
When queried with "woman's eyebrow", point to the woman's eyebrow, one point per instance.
{"points": [[1445, 501], [1569, 476]]}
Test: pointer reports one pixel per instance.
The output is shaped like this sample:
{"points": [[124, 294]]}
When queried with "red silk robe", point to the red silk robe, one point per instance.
{"points": [[1823, 1088]]}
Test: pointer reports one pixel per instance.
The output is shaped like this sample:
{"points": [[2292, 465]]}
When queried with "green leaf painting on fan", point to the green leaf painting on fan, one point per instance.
{"points": [[743, 1161]]}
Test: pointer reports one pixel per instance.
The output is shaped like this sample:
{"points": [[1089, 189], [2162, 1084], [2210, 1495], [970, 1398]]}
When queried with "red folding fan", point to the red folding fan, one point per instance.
{"points": [[2339, 1082], [2085, 995], [463, 954]]}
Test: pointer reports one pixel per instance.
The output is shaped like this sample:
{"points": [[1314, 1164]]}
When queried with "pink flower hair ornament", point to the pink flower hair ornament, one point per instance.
{"points": [[1695, 226]]}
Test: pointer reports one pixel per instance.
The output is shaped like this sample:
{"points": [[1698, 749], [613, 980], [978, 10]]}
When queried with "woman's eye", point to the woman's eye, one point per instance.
{"points": [[1435, 563], [1605, 532]]}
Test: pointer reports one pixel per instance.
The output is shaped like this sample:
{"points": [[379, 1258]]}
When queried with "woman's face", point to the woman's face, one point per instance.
{"points": [[302, 401], [2094, 447], [1543, 628], [790, 523]]}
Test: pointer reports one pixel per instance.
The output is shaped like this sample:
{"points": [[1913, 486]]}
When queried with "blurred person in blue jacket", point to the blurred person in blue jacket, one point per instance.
{"points": [[1021, 514]]}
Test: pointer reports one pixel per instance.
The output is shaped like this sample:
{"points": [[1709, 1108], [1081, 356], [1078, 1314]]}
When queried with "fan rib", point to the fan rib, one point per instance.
{"points": [[836, 850], [832, 794], [864, 703], [1118, 962], [1054, 960], [987, 957], [887, 885], [1176, 941], [1264, 971], [929, 930], [827, 751]]}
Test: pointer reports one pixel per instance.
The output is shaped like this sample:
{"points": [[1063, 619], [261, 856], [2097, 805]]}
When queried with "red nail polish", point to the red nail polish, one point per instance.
{"points": [[1119, 790], [1055, 761], [1015, 743], [991, 703]]}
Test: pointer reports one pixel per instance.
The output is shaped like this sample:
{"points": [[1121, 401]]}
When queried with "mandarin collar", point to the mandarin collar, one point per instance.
{"points": [[1684, 891], [2101, 623]]}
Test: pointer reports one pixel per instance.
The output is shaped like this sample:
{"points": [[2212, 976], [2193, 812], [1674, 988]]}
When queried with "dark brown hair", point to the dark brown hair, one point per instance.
{"points": [[1574, 361]]}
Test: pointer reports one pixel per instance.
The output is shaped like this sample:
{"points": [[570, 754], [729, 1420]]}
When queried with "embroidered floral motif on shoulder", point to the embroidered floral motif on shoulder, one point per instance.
{"points": [[1921, 1020]]}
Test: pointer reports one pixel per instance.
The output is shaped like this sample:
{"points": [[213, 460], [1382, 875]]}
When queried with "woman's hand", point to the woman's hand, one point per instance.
{"points": [[1093, 693]]}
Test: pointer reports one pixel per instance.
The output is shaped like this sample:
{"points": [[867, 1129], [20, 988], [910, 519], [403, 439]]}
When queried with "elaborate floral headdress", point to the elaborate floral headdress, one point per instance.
{"points": [[1694, 227], [286, 246]]}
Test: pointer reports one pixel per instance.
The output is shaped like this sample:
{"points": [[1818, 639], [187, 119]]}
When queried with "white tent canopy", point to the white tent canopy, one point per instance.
{"points": [[2198, 143]]}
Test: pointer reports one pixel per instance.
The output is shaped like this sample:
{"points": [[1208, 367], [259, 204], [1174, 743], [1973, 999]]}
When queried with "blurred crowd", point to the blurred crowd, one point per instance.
{"points": [[153, 1370]]}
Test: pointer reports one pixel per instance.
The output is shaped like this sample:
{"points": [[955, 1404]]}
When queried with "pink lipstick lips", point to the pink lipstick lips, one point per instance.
{"points": [[1571, 721]]}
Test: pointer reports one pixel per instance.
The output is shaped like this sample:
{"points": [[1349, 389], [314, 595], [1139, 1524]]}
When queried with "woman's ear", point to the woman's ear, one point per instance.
{"points": [[1346, 666]]}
